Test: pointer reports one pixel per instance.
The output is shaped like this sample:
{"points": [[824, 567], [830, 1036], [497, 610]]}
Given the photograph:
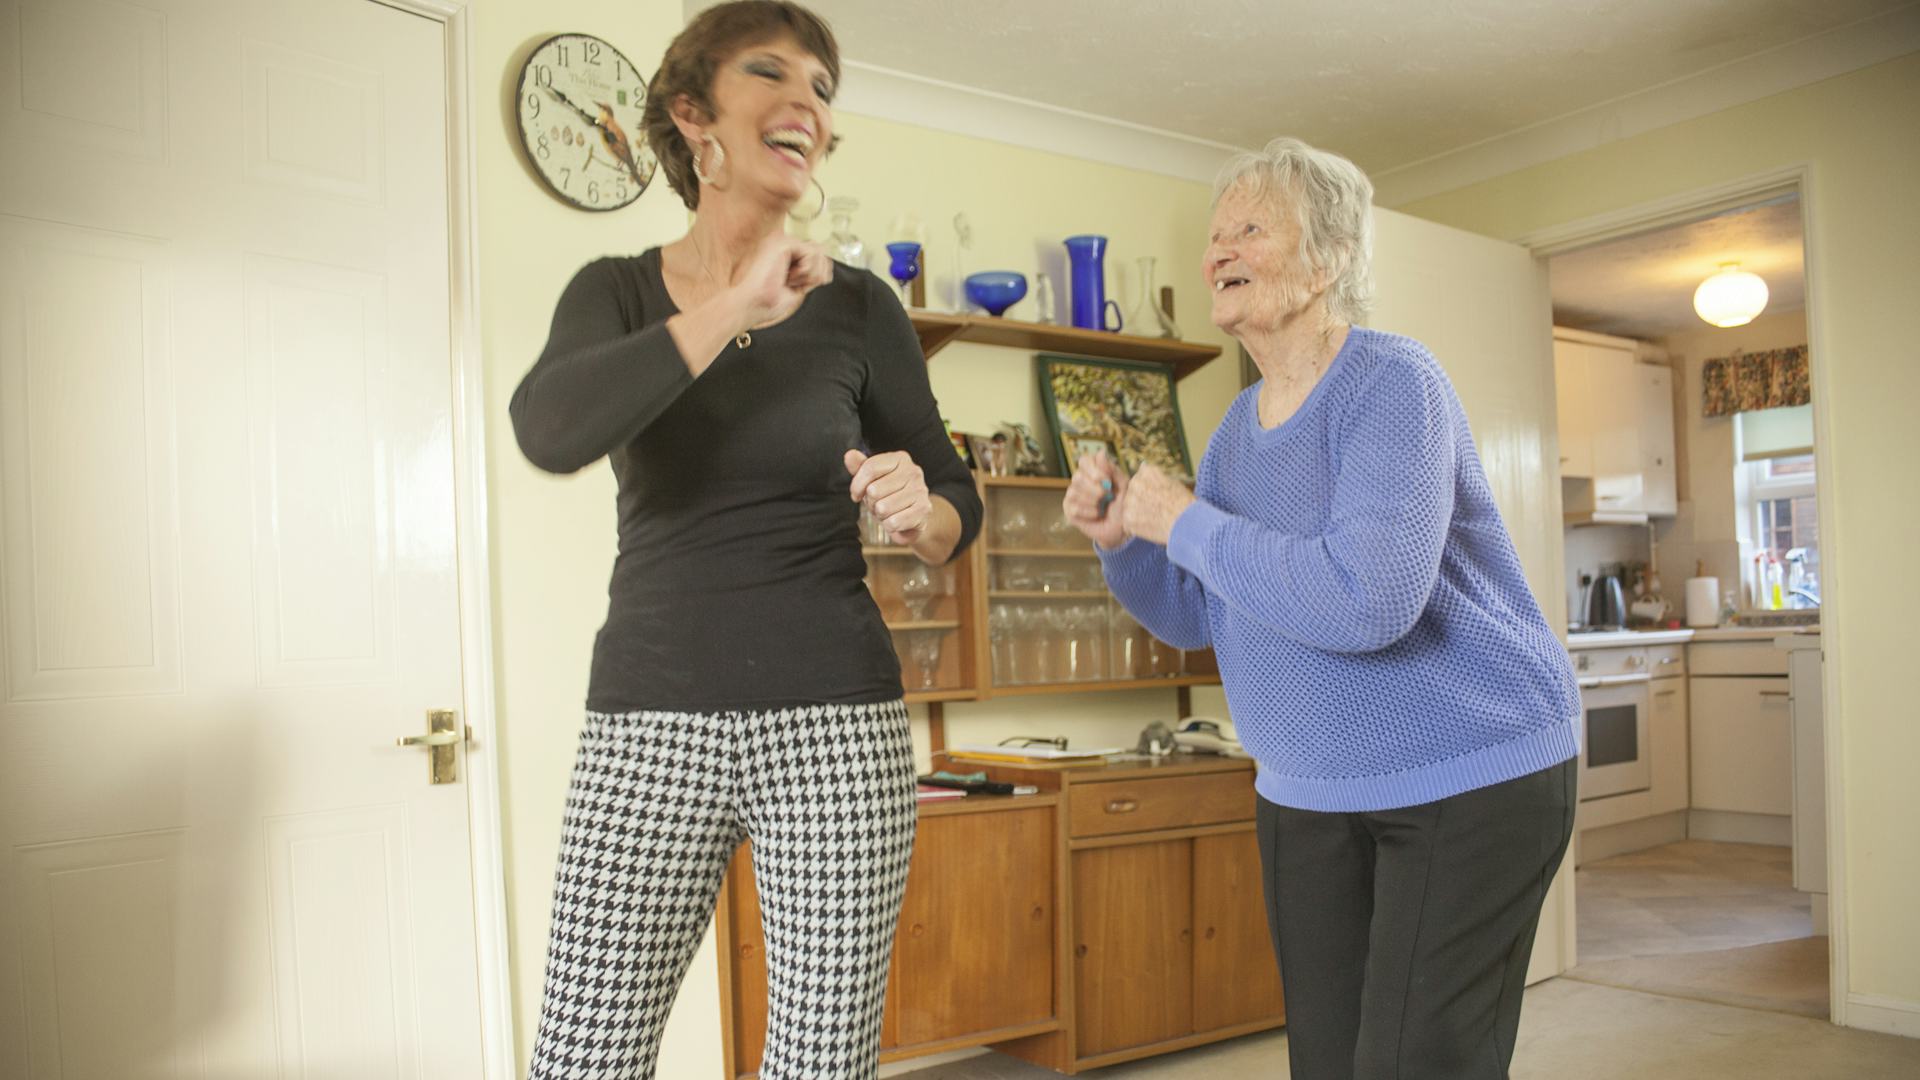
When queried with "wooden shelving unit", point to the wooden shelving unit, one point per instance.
{"points": [[938, 329]]}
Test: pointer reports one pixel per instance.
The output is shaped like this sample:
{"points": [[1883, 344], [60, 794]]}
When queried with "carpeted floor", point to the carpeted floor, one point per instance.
{"points": [[1781, 976]]}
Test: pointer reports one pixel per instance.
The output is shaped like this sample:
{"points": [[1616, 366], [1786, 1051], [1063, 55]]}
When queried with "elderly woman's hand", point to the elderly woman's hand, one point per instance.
{"points": [[1154, 500], [1094, 500], [894, 489]]}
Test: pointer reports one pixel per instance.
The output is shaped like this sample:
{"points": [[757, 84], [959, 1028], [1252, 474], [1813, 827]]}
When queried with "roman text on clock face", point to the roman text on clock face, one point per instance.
{"points": [[580, 104]]}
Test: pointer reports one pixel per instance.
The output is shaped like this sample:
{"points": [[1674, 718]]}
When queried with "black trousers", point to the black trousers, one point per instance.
{"points": [[1403, 935]]}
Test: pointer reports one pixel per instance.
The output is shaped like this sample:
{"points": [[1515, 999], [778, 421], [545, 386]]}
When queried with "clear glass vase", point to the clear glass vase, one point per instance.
{"points": [[843, 245], [1147, 313]]}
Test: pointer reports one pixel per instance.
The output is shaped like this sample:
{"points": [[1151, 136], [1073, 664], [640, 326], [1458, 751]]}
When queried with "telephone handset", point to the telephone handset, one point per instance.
{"points": [[1205, 735]]}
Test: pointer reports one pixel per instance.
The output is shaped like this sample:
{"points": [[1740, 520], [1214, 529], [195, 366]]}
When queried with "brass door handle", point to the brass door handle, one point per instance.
{"points": [[1122, 806], [444, 734], [438, 738]]}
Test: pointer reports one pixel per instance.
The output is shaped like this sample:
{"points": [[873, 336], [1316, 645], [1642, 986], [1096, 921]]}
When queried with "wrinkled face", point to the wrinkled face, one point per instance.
{"points": [[1252, 265], [771, 105]]}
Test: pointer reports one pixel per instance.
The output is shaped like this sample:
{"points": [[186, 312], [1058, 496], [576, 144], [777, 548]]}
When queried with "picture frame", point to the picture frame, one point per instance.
{"points": [[1073, 446], [1130, 405], [987, 449]]}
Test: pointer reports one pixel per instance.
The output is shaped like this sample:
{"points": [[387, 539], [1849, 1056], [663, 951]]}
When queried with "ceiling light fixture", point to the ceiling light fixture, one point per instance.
{"points": [[1731, 297]]}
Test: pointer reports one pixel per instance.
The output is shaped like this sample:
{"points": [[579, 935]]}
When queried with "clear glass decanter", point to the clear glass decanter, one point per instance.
{"points": [[843, 245]]}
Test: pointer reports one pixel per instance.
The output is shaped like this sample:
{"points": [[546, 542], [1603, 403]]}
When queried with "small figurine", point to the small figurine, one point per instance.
{"points": [[1027, 457]]}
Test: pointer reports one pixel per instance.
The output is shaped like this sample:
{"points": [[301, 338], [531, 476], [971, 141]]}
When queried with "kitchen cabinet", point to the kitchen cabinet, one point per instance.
{"points": [[974, 951], [1616, 429], [1667, 731], [1741, 743], [1808, 711], [1167, 944]]}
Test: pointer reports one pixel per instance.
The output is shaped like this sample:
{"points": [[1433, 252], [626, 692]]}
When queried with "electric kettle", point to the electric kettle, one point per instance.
{"points": [[1605, 606]]}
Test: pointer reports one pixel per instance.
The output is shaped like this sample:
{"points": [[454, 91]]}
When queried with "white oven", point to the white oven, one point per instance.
{"points": [[1615, 699]]}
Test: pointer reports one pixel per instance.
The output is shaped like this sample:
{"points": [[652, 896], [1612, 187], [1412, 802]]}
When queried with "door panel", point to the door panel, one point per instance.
{"points": [[227, 556], [1133, 944], [1235, 977], [1482, 306]]}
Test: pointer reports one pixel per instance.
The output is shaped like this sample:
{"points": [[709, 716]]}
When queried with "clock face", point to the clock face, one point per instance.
{"points": [[579, 107]]}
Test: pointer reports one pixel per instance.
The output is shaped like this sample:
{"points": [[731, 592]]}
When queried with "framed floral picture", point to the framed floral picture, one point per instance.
{"points": [[1130, 405]]}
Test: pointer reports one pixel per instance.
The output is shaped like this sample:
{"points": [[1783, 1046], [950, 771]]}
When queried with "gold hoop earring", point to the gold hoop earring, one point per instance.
{"points": [[719, 159], [808, 219]]}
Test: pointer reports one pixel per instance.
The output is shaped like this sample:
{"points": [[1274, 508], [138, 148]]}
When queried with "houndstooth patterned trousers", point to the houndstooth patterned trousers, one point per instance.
{"points": [[659, 801]]}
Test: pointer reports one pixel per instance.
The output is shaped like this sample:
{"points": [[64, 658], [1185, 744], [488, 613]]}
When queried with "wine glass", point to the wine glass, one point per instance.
{"points": [[1000, 634], [904, 266], [923, 648], [917, 590], [1015, 527], [1061, 532]]}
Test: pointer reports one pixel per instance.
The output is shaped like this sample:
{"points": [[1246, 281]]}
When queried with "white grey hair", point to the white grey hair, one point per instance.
{"points": [[1333, 201]]}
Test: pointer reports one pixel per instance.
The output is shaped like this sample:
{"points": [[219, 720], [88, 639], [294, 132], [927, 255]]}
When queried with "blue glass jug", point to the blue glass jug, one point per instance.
{"points": [[1087, 277]]}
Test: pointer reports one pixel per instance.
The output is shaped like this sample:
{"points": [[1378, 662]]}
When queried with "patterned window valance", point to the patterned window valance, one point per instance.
{"points": [[1746, 382]]}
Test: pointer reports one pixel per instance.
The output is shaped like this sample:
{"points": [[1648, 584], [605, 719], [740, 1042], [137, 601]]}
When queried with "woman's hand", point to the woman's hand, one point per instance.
{"points": [[894, 490], [1154, 501], [1095, 499], [773, 281]]}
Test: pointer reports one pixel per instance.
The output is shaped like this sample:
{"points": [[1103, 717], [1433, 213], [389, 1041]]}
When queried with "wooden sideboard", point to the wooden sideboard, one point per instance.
{"points": [[1117, 915]]}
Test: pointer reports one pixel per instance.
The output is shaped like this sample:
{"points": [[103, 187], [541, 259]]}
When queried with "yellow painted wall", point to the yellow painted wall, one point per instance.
{"points": [[552, 538], [1860, 137]]}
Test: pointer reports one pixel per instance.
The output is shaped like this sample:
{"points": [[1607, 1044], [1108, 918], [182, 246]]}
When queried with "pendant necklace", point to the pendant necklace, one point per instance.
{"points": [[745, 337]]}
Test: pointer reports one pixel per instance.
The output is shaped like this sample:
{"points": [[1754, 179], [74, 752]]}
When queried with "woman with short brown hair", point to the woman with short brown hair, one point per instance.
{"points": [[751, 394]]}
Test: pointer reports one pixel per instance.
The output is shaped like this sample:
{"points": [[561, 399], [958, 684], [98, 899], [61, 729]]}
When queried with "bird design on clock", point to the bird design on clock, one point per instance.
{"points": [[578, 98]]}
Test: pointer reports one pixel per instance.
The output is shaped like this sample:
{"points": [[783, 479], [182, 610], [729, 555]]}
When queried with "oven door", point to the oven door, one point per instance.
{"points": [[1614, 748]]}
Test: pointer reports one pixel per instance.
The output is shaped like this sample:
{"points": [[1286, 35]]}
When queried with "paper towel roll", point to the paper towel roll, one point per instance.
{"points": [[1703, 601]]}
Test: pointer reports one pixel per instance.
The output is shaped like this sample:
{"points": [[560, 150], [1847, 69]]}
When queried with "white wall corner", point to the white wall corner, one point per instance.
{"points": [[903, 97], [1889, 1015], [1786, 67]]}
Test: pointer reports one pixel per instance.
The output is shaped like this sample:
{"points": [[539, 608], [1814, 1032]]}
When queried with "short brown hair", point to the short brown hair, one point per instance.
{"points": [[696, 52]]}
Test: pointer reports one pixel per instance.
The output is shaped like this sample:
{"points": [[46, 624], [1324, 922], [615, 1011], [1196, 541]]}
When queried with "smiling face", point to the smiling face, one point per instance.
{"points": [[1252, 264], [771, 114]]}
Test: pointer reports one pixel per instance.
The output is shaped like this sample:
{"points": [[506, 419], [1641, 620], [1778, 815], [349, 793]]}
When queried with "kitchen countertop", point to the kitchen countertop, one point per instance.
{"points": [[1577, 642]]}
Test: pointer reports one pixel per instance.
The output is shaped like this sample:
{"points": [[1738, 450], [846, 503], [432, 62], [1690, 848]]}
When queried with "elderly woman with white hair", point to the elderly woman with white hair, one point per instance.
{"points": [[1412, 715]]}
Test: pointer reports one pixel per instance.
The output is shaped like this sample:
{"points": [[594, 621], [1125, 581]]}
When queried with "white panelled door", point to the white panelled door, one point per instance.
{"points": [[1482, 306], [227, 547]]}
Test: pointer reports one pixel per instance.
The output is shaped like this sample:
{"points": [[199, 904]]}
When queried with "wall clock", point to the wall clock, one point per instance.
{"points": [[579, 108]]}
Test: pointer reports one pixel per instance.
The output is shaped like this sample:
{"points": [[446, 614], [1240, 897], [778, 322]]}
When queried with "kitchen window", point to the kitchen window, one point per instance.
{"points": [[1786, 518]]}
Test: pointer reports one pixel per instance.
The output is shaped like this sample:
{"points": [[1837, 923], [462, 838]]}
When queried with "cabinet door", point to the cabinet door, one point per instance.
{"points": [[1572, 409], [1613, 393], [1235, 977], [974, 949], [1667, 731], [1741, 747], [1133, 945], [1659, 493]]}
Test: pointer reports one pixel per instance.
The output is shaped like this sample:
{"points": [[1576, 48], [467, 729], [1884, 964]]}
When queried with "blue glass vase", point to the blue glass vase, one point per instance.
{"points": [[904, 266], [1086, 273]]}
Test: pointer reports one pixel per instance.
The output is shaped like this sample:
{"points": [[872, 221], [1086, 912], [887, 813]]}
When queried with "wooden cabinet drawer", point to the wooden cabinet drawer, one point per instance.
{"points": [[1161, 802]]}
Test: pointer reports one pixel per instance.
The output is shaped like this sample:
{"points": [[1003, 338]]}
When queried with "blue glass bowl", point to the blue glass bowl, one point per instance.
{"points": [[996, 290]]}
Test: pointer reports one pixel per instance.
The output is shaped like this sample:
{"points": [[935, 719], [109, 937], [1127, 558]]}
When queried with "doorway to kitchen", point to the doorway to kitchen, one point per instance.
{"points": [[1693, 578]]}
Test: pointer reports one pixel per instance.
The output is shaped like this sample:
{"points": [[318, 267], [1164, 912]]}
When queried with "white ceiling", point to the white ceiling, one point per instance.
{"points": [[1387, 84], [1642, 286]]}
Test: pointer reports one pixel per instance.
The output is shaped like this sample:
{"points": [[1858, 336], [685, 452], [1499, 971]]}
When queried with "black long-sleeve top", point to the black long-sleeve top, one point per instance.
{"points": [[738, 583]]}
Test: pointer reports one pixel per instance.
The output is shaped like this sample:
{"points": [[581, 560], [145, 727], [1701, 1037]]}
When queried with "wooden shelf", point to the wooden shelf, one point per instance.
{"points": [[1035, 594], [869, 549], [926, 624], [938, 329], [1089, 687], [958, 693], [1044, 553], [1058, 483]]}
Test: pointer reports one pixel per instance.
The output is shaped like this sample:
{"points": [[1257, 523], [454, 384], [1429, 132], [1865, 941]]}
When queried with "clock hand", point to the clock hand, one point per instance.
{"points": [[562, 99], [617, 143]]}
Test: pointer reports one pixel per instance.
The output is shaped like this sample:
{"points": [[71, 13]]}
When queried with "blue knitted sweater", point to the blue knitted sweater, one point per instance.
{"points": [[1377, 639]]}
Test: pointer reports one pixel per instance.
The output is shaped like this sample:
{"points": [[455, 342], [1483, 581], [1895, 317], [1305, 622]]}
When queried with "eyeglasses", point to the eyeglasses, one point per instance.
{"points": [[1058, 742]]}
